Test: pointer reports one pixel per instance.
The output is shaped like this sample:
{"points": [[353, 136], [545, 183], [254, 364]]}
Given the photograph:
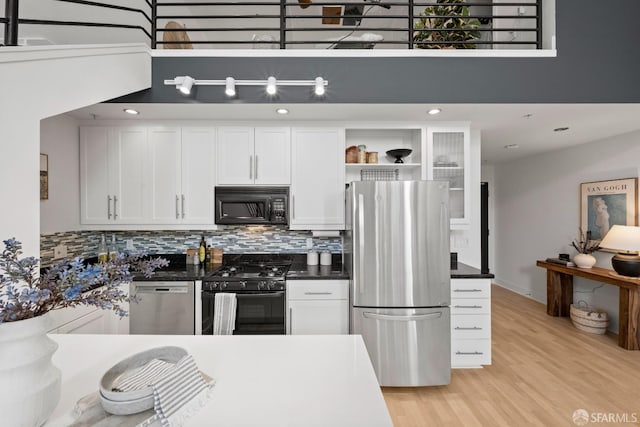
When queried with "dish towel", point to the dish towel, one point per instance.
{"points": [[180, 393], [224, 313], [179, 390], [142, 377]]}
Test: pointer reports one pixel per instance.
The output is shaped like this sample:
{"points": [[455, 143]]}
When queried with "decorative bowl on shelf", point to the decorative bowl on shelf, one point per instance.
{"points": [[399, 153]]}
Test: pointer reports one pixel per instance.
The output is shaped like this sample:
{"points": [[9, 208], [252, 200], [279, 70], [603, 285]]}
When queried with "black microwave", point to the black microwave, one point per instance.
{"points": [[252, 205]]}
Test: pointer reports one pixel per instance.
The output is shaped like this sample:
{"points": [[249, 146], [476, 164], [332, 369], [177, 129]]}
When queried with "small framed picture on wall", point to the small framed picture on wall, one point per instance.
{"points": [[606, 203], [44, 176]]}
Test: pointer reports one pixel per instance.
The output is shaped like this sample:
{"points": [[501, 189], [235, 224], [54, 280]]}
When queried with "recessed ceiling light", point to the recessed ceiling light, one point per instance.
{"points": [[561, 129], [512, 146], [131, 111], [282, 111], [527, 116], [434, 111]]}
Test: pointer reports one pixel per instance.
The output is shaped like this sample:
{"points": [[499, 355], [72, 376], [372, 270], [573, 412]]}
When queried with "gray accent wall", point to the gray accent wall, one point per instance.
{"points": [[596, 63]]}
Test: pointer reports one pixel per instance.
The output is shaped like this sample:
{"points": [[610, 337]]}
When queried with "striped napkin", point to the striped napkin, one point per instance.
{"points": [[179, 390], [180, 393], [224, 313], [143, 376]]}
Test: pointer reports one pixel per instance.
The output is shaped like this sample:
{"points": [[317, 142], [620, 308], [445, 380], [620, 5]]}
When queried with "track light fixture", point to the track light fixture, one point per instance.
{"points": [[271, 85], [185, 83], [230, 87], [319, 86]]}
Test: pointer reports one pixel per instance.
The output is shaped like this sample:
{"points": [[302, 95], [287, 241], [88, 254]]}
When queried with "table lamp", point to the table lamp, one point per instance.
{"points": [[625, 240]]}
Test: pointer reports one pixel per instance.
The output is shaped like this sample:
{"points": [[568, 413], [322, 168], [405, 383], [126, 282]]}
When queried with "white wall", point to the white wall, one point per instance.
{"points": [[34, 83], [537, 213], [60, 141]]}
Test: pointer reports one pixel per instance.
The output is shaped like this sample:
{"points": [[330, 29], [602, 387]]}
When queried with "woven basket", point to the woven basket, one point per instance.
{"points": [[589, 319]]}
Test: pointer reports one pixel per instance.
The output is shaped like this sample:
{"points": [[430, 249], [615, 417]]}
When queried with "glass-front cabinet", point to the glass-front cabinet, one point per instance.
{"points": [[448, 160]]}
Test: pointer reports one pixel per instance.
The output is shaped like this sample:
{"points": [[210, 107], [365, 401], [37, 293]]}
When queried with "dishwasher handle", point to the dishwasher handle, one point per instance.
{"points": [[162, 289]]}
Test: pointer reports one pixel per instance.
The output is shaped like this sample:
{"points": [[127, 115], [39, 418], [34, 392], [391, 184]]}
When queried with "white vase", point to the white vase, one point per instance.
{"points": [[29, 383], [584, 260]]}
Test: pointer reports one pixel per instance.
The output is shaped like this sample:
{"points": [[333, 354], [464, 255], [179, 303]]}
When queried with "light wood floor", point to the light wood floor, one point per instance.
{"points": [[543, 369]]}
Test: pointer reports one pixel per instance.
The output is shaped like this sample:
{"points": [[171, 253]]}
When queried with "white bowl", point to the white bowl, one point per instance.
{"points": [[166, 354], [126, 407]]}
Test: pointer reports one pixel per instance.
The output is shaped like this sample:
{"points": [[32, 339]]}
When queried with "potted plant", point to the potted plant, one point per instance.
{"points": [[585, 246], [29, 382], [445, 26]]}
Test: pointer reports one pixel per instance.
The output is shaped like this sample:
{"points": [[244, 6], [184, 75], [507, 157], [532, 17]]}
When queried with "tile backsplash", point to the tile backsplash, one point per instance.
{"points": [[238, 239]]}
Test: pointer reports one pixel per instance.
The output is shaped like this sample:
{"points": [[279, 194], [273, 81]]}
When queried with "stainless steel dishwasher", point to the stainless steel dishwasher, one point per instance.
{"points": [[165, 308]]}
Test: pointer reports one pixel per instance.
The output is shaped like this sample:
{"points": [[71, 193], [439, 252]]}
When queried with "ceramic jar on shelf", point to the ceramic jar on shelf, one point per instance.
{"points": [[584, 260]]}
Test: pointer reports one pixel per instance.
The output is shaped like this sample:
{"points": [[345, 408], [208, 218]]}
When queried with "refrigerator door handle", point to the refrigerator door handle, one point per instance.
{"points": [[445, 223], [361, 241], [410, 318]]}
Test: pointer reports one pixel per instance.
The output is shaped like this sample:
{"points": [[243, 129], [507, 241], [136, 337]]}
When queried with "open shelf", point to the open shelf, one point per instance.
{"points": [[382, 165]]}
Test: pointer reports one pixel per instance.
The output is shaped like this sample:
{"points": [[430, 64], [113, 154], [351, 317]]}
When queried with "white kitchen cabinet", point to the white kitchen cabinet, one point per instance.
{"points": [[470, 322], [317, 307], [113, 170], [166, 189], [92, 323], [97, 172], [248, 156], [89, 319], [198, 175], [156, 175], [317, 179], [448, 159], [182, 175]]}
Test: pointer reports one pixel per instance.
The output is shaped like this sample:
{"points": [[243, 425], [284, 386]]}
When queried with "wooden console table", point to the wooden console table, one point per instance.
{"points": [[560, 297]]}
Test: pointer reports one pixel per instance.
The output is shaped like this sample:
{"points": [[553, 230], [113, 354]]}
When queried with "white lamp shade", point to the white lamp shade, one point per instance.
{"points": [[623, 238]]}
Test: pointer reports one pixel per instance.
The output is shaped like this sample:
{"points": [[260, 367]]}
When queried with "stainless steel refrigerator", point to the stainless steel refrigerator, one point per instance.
{"points": [[397, 250]]}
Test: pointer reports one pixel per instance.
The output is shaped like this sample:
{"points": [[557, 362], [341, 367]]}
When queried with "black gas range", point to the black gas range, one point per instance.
{"points": [[248, 275], [258, 282]]}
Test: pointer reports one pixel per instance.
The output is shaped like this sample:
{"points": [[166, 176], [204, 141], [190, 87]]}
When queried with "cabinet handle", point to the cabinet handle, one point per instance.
{"points": [[290, 320], [115, 208], [293, 206], [469, 353], [318, 293], [467, 306], [467, 290], [473, 328], [177, 209], [256, 167], [108, 207], [183, 207], [250, 167]]}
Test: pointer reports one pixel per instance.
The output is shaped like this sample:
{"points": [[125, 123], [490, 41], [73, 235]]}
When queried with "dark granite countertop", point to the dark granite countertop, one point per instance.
{"points": [[301, 271], [464, 271]]}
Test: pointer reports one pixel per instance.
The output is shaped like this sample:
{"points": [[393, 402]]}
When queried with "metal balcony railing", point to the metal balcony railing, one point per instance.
{"points": [[319, 24]]}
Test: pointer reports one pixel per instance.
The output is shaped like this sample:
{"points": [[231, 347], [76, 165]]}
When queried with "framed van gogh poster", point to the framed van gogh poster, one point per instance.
{"points": [[605, 203]]}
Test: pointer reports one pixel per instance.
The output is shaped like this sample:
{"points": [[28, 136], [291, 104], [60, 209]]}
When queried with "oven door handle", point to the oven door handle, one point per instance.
{"points": [[268, 295]]}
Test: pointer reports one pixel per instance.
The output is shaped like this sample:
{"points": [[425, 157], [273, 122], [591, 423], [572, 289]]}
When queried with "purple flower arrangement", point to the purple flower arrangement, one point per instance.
{"points": [[24, 293]]}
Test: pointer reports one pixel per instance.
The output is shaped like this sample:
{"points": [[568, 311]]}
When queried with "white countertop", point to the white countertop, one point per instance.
{"points": [[284, 381]]}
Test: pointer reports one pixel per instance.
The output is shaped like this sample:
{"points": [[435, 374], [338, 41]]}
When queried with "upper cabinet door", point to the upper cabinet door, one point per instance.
{"points": [[317, 179], [448, 159], [96, 197], [164, 154], [272, 156], [198, 175], [133, 192], [235, 156]]}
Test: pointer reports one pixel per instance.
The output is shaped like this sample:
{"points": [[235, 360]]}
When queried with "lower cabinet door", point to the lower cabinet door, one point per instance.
{"points": [[407, 347], [92, 323], [318, 317]]}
